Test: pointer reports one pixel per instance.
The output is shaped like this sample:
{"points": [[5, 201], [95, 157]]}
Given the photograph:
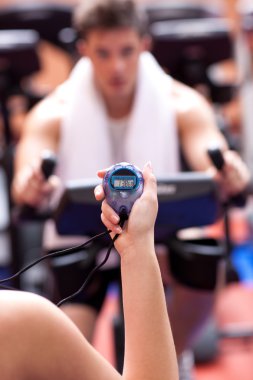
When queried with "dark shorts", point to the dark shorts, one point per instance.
{"points": [[69, 276]]}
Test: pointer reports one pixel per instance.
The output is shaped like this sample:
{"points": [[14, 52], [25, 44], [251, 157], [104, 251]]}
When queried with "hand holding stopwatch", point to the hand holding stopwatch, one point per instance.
{"points": [[123, 184]]}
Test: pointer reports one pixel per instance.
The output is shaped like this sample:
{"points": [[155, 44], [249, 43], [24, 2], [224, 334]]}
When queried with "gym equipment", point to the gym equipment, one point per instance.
{"points": [[206, 348], [18, 59], [179, 10], [188, 49], [51, 21], [182, 198], [246, 13], [26, 212]]}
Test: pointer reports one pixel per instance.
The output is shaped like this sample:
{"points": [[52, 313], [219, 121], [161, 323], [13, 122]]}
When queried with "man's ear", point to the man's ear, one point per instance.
{"points": [[146, 43], [81, 47]]}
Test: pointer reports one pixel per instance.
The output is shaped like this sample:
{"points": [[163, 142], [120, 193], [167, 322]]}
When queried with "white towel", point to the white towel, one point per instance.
{"points": [[151, 133]]}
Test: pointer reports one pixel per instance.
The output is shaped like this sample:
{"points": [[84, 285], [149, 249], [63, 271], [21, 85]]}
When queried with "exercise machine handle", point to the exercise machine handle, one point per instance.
{"points": [[27, 212], [218, 161]]}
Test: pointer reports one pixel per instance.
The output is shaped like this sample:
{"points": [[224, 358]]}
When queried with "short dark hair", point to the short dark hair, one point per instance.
{"points": [[108, 14]]}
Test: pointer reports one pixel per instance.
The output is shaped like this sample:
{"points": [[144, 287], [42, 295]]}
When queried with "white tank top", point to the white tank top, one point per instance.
{"points": [[117, 132]]}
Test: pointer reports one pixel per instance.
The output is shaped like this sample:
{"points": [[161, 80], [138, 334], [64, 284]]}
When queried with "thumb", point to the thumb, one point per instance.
{"points": [[149, 178]]}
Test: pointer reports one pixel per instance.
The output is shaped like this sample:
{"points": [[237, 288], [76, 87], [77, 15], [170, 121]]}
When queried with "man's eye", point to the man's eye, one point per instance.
{"points": [[127, 51], [102, 53]]}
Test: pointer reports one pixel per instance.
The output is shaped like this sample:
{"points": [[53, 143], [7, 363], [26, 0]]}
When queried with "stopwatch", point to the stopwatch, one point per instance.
{"points": [[123, 184]]}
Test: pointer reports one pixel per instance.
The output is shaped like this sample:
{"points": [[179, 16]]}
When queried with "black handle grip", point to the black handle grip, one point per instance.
{"points": [[217, 159], [48, 163], [27, 212]]}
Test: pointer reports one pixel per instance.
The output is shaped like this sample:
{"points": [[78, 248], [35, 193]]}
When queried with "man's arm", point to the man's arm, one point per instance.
{"points": [[196, 126], [198, 132], [40, 132]]}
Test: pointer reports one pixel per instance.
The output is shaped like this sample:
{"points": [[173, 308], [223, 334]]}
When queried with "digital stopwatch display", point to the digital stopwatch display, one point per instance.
{"points": [[119, 182]]}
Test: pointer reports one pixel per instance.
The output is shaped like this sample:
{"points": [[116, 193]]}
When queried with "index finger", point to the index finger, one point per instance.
{"points": [[99, 193], [101, 172]]}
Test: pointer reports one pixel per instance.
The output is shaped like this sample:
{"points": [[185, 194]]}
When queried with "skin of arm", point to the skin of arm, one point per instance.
{"points": [[145, 312], [198, 132], [40, 132], [196, 126]]}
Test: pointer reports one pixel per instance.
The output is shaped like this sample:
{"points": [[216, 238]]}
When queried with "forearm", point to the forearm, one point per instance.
{"points": [[197, 128], [24, 157], [149, 346], [40, 132], [27, 165]]}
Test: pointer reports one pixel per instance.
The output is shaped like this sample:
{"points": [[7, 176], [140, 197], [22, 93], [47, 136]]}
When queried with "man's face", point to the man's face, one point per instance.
{"points": [[115, 54]]}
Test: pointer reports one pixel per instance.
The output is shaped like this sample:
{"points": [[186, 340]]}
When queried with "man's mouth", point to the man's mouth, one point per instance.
{"points": [[117, 82]]}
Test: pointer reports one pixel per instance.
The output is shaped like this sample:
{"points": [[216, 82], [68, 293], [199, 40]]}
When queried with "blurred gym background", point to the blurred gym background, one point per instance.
{"points": [[210, 48]]}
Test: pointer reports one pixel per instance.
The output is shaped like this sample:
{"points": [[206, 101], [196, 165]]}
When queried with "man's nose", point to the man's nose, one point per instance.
{"points": [[118, 64]]}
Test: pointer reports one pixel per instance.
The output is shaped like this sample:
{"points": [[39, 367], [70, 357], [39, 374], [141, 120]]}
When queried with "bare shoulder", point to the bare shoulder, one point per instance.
{"points": [[197, 125], [186, 100], [46, 116], [48, 110]]}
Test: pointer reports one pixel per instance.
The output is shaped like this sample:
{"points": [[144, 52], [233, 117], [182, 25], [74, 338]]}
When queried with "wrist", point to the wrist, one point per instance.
{"points": [[137, 248], [16, 195]]}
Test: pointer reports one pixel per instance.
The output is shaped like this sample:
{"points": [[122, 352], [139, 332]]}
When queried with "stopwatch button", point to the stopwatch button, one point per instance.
{"points": [[123, 194]]}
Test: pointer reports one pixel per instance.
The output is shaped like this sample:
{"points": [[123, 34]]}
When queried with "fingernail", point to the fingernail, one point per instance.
{"points": [[118, 230], [115, 218], [149, 165], [97, 191]]}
